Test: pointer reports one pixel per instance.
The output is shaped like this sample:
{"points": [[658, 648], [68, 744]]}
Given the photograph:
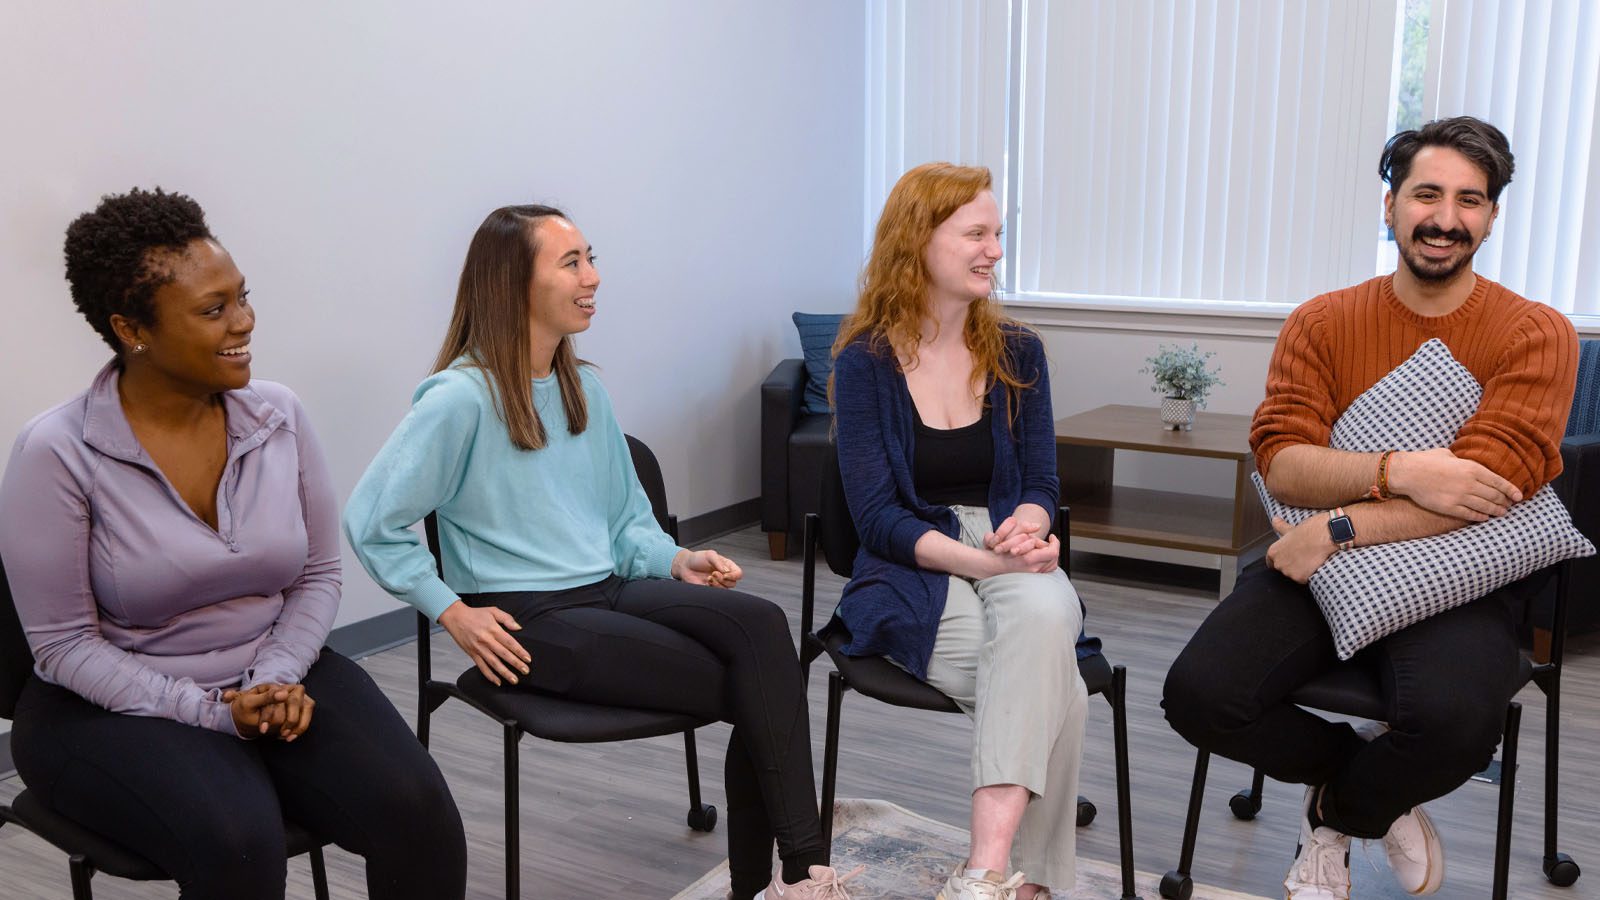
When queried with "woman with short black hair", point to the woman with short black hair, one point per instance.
{"points": [[171, 540]]}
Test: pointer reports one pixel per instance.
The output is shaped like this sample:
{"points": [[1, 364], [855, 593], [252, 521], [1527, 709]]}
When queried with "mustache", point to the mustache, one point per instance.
{"points": [[1458, 235]]}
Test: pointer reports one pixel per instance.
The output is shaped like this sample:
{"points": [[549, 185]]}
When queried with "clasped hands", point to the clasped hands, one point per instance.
{"points": [[258, 710], [1436, 480], [1017, 547]]}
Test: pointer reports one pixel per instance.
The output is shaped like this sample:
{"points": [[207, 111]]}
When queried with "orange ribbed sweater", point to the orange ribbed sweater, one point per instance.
{"points": [[1334, 347]]}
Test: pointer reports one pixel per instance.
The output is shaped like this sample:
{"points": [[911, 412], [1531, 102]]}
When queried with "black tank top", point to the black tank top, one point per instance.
{"points": [[952, 466]]}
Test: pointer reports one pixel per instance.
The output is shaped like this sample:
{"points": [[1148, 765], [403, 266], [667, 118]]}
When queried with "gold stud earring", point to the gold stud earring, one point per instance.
{"points": [[138, 348]]}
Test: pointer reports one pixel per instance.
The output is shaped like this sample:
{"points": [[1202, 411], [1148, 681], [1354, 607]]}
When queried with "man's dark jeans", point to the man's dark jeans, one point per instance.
{"points": [[1446, 681]]}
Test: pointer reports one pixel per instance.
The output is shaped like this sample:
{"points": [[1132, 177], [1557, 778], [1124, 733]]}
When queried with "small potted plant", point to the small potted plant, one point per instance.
{"points": [[1183, 381]]}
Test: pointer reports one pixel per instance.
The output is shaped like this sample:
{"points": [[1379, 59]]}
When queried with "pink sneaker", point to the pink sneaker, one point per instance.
{"points": [[824, 884]]}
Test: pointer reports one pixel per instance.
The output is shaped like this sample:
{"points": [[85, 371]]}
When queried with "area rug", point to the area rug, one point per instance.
{"points": [[908, 857]]}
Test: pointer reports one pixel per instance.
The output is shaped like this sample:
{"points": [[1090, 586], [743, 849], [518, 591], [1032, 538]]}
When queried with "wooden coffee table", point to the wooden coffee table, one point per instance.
{"points": [[1086, 446]]}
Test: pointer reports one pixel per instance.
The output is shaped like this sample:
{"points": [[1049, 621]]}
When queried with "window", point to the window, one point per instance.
{"points": [[1226, 150]]}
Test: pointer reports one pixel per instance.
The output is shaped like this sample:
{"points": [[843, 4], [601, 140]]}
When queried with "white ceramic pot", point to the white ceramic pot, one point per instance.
{"points": [[1177, 412]]}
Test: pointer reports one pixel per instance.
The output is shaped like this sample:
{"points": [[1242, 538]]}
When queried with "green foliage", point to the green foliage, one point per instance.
{"points": [[1413, 59], [1181, 372]]}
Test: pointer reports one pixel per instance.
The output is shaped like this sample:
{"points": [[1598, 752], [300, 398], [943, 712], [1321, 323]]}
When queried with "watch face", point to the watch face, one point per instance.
{"points": [[1340, 529]]}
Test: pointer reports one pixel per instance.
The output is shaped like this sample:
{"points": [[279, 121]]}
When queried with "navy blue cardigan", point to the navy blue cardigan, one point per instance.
{"points": [[891, 607]]}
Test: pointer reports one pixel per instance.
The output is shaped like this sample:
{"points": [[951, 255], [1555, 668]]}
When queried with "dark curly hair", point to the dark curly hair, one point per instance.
{"points": [[115, 254], [1475, 139]]}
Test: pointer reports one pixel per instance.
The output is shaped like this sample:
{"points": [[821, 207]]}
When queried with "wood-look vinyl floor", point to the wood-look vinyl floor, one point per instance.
{"points": [[608, 820]]}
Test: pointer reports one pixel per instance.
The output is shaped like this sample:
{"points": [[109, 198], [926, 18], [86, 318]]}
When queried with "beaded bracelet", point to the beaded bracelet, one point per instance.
{"points": [[1380, 487]]}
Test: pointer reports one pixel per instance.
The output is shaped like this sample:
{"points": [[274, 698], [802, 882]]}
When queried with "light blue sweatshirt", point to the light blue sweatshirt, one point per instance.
{"points": [[567, 515]]}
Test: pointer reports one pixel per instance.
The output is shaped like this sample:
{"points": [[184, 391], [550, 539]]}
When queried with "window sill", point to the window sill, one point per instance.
{"points": [[1199, 317], [1178, 317]]}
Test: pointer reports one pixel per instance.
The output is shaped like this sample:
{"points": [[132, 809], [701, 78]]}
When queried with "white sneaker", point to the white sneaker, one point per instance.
{"points": [[1321, 869], [1416, 855], [992, 886]]}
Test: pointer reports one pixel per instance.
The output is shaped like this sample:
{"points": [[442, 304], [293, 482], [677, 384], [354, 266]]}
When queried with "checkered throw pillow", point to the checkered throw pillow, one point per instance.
{"points": [[1369, 592]]}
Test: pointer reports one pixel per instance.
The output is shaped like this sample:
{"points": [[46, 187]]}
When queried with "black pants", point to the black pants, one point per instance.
{"points": [[1446, 681], [208, 807], [662, 644]]}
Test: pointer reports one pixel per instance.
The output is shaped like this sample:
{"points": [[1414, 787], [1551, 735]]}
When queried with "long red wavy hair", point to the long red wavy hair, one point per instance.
{"points": [[895, 283]]}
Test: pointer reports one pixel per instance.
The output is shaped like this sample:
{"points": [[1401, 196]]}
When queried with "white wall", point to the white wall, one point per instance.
{"points": [[344, 153]]}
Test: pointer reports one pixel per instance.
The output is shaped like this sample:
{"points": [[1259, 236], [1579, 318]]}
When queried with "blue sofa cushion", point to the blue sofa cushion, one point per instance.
{"points": [[1585, 418], [817, 331]]}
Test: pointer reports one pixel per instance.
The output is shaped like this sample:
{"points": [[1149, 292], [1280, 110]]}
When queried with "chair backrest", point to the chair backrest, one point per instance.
{"points": [[16, 657], [655, 487], [1585, 418], [838, 540]]}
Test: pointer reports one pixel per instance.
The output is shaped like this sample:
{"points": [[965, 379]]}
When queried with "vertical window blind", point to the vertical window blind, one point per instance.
{"points": [[1226, 150], [1531, 69], [936, 90]]}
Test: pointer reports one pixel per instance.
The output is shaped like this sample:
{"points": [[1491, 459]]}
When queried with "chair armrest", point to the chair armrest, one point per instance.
{"points": [[782, 394]]}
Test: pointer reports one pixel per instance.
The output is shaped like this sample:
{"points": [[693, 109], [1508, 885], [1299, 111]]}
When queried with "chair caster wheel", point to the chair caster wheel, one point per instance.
{"points": [[1560, 870], [1176, 887], [1244, 805], [704, 818], [1086, 812]]}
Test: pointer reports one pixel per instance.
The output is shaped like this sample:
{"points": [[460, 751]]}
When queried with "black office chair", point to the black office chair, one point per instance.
{"points": [[555, 718], [1352, 690], [88, 852], [876, 677]]}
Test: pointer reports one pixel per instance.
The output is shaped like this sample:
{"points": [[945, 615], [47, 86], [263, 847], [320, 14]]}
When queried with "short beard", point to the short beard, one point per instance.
{"points": [[1419, 267]]}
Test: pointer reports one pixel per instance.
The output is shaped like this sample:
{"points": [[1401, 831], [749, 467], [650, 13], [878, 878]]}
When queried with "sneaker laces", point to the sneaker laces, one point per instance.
{"points": [[1005, 890], [1322, 862], [831, 885], [1401, 838]]}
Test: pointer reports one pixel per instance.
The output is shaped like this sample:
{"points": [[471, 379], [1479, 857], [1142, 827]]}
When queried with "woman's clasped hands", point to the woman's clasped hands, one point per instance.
{"points": [[1017, 547], [258, 710]]}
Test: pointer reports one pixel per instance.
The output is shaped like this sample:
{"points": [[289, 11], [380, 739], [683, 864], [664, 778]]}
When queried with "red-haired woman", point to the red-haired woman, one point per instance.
{"points": [[947, 449]]}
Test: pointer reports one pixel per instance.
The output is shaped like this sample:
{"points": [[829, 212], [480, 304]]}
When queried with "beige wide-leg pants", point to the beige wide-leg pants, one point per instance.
{"points": [[1005, 653]]}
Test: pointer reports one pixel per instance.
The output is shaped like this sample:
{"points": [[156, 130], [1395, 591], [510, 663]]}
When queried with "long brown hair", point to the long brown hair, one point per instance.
{"points": [[490, 324], [895, 283]]}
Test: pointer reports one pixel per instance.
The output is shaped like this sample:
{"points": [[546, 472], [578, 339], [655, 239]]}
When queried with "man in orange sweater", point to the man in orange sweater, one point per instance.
{"points": [[1446, 679]]}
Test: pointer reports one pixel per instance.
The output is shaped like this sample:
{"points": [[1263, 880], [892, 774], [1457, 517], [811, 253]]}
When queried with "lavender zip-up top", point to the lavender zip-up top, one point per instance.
{"points": [[130, 599]]}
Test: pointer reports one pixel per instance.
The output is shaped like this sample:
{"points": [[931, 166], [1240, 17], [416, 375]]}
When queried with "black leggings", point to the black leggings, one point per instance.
{"points": [[717, 654], [207, 807]]}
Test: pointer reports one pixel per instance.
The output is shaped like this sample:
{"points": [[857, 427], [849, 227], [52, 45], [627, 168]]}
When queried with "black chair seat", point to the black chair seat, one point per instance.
{"points": [[880, 679], [569, 721], [1353, 690], [108, 856], [1349, 690]]}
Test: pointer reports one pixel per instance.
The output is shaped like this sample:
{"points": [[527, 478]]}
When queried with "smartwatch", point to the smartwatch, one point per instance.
{"points": [[1340, 529]]}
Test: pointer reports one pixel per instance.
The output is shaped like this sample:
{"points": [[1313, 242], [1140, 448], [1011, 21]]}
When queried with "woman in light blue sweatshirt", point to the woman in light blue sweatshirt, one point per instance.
{"points": [[556, 576]]}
